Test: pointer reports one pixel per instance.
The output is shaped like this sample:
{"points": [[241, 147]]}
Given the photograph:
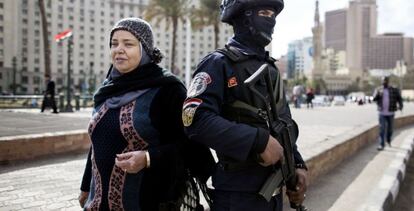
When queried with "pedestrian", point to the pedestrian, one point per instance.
{"points": [[309, 98], [297, 95], [49, 95], [387, 97], [223, 114], [136, 160]]}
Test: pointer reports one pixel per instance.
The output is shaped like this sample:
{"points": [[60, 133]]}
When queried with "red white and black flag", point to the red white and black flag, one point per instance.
{"points": [[61, 36]]}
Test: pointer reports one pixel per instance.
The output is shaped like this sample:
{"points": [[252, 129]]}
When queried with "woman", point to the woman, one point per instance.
{"points": [[136, 131]]}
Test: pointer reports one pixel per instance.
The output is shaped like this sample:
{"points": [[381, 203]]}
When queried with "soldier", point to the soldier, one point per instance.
{"points": [[223, 114]]}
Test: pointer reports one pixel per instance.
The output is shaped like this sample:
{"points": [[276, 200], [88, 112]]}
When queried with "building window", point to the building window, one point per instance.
{"points": [[36, 79], [25, 79]]}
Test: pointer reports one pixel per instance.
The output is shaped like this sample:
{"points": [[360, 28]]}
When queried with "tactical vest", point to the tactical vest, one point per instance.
{"points": [[241, 105]]}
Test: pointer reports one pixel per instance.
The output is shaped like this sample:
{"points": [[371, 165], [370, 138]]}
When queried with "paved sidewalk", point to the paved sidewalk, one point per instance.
{"points": [[53, 184]]}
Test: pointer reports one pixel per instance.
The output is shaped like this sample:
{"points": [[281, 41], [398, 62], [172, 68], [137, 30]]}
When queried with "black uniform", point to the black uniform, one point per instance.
{"points": [[49, 97], [220, 112]]}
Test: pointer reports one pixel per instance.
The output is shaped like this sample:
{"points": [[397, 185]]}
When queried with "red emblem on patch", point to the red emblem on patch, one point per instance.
{"points": [[232, 82]]}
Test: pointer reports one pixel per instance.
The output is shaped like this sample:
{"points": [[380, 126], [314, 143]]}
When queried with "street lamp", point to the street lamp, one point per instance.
{"points": [[14, 74]]}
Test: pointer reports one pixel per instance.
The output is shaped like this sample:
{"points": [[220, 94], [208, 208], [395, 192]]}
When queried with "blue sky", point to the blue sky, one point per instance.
{"points": [[296, 19]]}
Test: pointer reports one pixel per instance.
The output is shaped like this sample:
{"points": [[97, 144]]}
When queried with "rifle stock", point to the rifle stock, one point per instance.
{"points": [[279, 129]]}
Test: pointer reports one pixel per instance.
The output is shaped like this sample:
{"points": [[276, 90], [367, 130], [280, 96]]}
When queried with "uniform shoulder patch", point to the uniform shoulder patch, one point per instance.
{"points": [[199, 84], [232, 82], [189, 108]]}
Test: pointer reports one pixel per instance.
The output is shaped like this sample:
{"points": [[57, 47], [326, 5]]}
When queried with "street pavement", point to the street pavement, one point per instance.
{"points": [[53, 183]]}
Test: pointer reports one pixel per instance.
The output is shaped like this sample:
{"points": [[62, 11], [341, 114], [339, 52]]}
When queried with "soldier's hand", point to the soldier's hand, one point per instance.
{"points": [[83, 196], [299, 195], [272, 153]]}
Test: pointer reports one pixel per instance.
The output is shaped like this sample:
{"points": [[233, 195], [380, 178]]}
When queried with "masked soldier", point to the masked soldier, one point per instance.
{"points": [[222, 113]]}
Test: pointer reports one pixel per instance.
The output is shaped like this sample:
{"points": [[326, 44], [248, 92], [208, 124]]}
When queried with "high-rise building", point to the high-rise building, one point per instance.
{"points": [[387, 49], [91, 22], [361, 26], [335, 29], [354, 30], [299, 58], [282, 66]]}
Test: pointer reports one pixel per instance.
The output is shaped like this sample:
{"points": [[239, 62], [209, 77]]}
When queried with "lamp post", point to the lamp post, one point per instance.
{"points": [[14, 74]]}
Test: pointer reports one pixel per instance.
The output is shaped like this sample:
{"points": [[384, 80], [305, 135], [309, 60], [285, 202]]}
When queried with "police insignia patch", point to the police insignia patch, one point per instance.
{"points": [[232, 82], [189, 108], [199, 84]]}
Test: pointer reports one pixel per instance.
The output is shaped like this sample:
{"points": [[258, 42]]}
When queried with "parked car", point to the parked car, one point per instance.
{"points": [[338, 100], [321, 100]]}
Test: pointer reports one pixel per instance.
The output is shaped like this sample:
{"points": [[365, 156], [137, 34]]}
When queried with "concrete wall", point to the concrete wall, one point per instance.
{"points": [[28, 147], [329, 159]]}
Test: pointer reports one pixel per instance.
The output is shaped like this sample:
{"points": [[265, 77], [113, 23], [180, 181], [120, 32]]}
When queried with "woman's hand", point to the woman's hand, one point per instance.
{"points": [[83, 196], [131, 162]]}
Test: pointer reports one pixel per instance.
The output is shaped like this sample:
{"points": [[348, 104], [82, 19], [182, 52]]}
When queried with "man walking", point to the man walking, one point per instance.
{"points": [[222, 113], [387, 98], [49, 95]]}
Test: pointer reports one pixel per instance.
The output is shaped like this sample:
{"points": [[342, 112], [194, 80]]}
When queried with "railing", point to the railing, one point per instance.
{"points": [[35, 101]]}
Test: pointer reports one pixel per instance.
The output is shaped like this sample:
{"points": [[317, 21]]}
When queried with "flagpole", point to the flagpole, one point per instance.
{"points": [[68, 107]]}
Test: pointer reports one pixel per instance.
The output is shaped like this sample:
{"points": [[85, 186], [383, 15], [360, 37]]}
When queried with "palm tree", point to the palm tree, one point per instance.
{"points": [[46, 51], [208, 14], [171, 11]]}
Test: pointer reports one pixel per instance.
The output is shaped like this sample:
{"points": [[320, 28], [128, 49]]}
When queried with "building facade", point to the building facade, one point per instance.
{"points": [[299, 58], [387, 49], [335, 29], [354, 30], [91, 22]]}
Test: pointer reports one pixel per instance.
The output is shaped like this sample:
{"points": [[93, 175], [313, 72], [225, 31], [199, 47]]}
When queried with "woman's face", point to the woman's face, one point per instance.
{"points": [[125, 51]]}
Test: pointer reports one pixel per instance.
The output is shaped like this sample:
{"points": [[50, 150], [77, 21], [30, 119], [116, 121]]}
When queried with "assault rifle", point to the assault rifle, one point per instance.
{"points": [[281, 130]]}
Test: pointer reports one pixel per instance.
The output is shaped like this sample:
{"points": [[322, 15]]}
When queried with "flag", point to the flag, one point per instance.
{"points": [[61, 36]]}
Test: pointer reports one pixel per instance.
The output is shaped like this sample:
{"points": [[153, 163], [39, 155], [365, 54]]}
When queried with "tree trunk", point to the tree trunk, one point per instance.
{"points": [[216, 34], [46, 49], [174, 69]]}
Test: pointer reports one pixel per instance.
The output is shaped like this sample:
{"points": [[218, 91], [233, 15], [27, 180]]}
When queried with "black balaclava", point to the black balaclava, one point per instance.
{"points": [[249, 26]]}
